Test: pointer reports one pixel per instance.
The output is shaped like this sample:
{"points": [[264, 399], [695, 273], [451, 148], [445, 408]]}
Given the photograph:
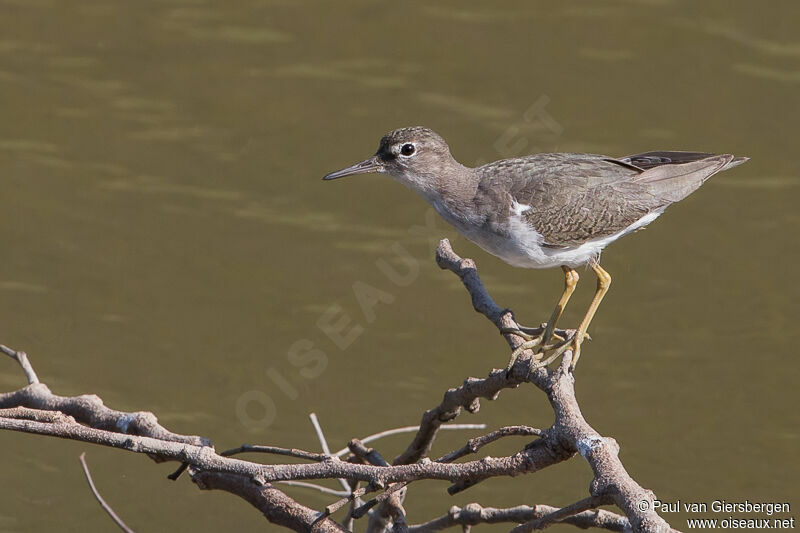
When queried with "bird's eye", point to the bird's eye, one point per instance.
{"points": [[407, 149]]}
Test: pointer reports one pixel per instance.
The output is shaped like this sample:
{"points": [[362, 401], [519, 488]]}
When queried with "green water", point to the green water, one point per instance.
{"points": [[168, 242]]}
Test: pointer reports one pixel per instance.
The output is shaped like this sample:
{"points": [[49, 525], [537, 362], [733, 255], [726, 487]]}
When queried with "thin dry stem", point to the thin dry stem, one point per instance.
{"points": [[107, 508]]}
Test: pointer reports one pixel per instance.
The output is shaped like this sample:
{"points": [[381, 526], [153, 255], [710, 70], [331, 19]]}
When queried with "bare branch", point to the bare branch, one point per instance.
{"points": [[467, 396], [368, 455], [316, 487], [561, 514], [408, 429], [178, 472], [357, 493], [349, 521], [320, 435], [26, 413], [276, 506], [482, 302], [473, 445], [570, 431], [107, 508], [89, 409], [380, 498], [390, 511], [473, 514], [22, 359], [324, 443], [333, 468], [291, 452]]}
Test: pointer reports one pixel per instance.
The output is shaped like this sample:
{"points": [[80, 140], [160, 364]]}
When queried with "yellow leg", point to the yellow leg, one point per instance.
{"points": [[570, 282], [603, 283]]}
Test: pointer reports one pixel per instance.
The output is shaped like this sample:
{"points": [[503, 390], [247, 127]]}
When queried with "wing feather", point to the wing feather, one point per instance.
{"points": [[571, 199]]}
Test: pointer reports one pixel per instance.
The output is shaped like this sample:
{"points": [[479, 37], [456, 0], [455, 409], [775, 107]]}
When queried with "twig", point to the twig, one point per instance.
{"points": [[399, 520], [358, 512], [368, 455], [314, 486], [473, 514], [291, 452], [320, 435], [473, 445], [408, 429], [392, 509], [107, 508], [466, 396], [324, 443], [89, 409], [390, 512], [349, 521], [178, 472], [38, 415], [22, 359], [559, 515], [357, 493]]}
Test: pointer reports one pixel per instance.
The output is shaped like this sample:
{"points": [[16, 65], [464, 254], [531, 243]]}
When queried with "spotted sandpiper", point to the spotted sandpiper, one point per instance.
{"points": [[543, 210]]}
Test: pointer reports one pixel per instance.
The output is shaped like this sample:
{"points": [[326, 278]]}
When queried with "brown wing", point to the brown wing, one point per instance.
{"points": [[576, 213], [575, 198]]}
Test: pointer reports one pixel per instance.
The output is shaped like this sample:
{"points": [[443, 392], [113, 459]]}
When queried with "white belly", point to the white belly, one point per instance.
{"points": [[524, 246]]}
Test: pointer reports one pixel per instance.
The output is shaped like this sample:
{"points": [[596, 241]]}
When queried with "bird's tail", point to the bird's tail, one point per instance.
{"points": [[675, 181], [735, 162]]}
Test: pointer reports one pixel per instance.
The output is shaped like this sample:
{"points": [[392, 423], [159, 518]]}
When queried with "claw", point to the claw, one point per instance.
{"points": [[518, 332], [527, 345], [576, 352], [534, 338], [552, 351], [523, 331], [574, 344], [532, 331]]}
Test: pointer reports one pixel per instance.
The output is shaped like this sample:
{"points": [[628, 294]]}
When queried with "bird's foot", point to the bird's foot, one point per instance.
{"points": [[531, 334], [537, 339], [525, 332], [573, 343], [552, 351]]}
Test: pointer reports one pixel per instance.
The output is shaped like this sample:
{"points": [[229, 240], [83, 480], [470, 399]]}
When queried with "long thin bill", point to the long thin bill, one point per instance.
{"points": [[364, 167]]}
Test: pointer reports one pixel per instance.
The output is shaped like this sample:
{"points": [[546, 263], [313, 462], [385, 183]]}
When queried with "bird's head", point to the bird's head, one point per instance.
{"points": [[413, 156]]}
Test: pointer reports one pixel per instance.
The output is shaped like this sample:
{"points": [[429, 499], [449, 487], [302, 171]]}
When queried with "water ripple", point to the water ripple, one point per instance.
{"points": [[732, 33], [768, 73]]}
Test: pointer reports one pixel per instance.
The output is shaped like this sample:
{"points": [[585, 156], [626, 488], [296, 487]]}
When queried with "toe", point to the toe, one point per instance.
{"points": [[518, 332]]}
